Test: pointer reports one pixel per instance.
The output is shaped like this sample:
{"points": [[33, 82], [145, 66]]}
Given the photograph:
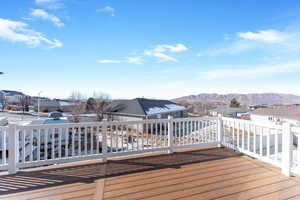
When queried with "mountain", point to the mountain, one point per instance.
{"points": [[254, 98]]}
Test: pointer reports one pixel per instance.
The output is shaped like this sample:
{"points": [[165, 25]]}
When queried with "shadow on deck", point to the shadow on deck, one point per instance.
{"points": [[87, 172]]}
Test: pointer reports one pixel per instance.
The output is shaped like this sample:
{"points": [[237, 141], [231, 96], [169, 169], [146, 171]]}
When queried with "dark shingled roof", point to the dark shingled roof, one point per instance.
{"points": [[12, 92], [142, 106], [287, 112], [131, 107]]}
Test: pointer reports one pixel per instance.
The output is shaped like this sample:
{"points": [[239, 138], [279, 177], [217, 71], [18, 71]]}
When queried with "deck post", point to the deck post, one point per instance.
{"points": [[220, 130], [12, 148], [286, 149], [170, 134], [104, 142]]}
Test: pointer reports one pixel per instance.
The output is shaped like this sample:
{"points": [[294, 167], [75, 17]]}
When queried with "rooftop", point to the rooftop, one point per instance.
{"points": [[143, 107], [212, 173], [288, 112]]}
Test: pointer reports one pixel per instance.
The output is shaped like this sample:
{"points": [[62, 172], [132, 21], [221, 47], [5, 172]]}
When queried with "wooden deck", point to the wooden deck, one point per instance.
{"points": [[215, 173]]}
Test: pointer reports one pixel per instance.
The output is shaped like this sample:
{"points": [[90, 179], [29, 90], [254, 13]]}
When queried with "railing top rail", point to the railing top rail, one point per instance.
{"points": [[253, 123], [109, 123]]}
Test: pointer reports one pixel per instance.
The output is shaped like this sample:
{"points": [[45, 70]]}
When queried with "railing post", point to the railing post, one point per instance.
{"points": [[298, 150], [104, 142], [220, 130], [170, 134], [286, 149], [12, 148]]}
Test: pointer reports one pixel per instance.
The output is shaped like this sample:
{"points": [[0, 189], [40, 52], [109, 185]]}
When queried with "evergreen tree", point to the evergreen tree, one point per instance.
{"points": [[234, 103]]}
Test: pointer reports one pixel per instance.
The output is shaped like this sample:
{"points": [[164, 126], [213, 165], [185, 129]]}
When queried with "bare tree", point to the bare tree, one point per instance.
{"points": [[3, 102], [76, 99], [97, 104]]}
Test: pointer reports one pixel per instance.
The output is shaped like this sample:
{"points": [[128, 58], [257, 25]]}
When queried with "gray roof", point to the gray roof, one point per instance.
{"points": [[143, 107], [287, 112], [11, 92], [230, 110]]}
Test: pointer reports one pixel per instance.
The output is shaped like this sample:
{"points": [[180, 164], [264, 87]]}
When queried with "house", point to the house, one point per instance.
{"points": [[142, 108], [11, 96], [47, 105], [278, 114], [254, 107], [229, 112]]}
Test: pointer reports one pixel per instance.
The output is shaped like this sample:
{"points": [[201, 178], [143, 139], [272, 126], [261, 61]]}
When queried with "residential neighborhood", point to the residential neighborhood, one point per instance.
{"points": [[149, 100]]}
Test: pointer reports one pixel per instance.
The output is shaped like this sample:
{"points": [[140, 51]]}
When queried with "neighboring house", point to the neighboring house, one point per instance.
{"points": [[47, 105], [11, 96], [254, 107], [65, 105], [141, 108], [277, 114], [229, 112]]}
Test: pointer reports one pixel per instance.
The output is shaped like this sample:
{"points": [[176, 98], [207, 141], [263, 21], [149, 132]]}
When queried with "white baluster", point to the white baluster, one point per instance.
{"points": [[67, 142], [39, 144], [85, 140], [254, 139], [59, 142], [30, 145], [79, 140], [249, 137], [276, 144], [104, 143], [12, 148], [286, 149], [261, 142], [243, 137], [268, 142], [170, 134]]}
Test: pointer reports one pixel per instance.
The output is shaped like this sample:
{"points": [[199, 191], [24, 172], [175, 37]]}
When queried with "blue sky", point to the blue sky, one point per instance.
{"points": [[156, 49]]}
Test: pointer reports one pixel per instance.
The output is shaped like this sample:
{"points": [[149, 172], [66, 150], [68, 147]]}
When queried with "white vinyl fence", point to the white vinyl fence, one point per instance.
{"points": [[40, 145], [269, 143]]}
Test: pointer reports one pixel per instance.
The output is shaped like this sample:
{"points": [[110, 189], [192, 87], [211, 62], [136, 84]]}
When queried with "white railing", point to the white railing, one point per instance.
{"points": [[270, 143], [3, 148], [40, 145], [261, 141], [295, 149]]}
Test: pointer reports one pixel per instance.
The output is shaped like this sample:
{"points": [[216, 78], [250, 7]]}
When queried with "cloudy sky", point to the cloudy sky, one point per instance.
{"points": [[157, 49]]}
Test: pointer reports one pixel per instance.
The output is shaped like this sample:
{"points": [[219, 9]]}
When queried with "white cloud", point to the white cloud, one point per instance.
{"points": [[109, 61], [135, 60], [15, 31], [233, 48], [267, 36], [50, 4], [161, 56], [252, 72], [132, 60], [175, 48], [46, 16], [107, 9], [160, 51], [273, 41]]}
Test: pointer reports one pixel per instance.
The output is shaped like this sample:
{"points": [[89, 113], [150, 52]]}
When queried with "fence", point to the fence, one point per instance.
{"points": [[270, 143], [40, 145]]}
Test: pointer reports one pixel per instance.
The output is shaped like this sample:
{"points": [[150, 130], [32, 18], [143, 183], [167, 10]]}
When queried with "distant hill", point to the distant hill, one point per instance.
{"points": [[254, 98]]}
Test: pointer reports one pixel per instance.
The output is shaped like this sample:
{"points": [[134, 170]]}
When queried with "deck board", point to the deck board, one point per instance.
{"points": [[213, 173]]}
